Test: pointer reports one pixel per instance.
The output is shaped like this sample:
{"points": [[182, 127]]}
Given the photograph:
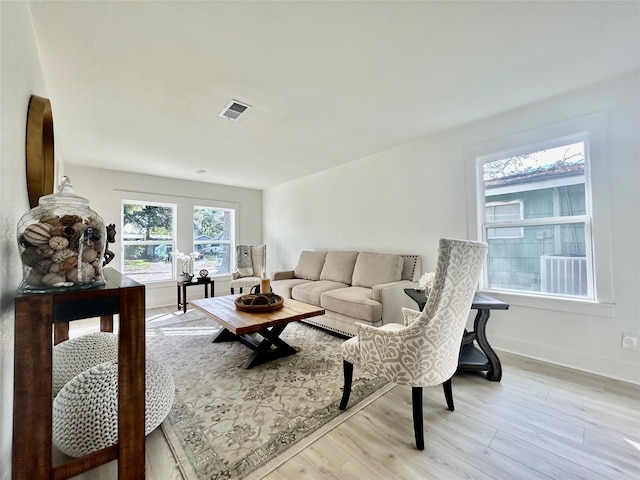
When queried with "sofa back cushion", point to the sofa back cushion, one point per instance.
{"points": [[376, 268], [309, 265], [338, 267]]}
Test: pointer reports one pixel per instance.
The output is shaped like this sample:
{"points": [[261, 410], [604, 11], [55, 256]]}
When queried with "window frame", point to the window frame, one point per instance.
{"points": [[232, 234], [183, 223], [521, 217], [484, 225], [124, 243], [597, 176]]}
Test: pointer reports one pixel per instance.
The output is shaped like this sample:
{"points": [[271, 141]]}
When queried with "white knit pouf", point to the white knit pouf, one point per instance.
{"points": [[78, 354], [85, 411]]}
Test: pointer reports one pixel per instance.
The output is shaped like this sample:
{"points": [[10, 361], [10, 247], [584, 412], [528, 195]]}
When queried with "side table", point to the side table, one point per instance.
{"points": [[33, 382], [209, 286], [483, 357]]}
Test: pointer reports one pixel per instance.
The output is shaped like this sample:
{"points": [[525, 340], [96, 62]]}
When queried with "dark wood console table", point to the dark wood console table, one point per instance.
{"points": [[33, 382], [482, 357], [182, 288]]}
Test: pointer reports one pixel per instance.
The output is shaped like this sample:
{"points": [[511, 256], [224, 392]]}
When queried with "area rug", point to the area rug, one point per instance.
{"points": [[232, 423]]}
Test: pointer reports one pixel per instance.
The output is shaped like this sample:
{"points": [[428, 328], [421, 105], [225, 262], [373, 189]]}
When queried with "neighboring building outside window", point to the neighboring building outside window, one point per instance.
{"points": [[148, 239], [213, 238], [536, 219]]}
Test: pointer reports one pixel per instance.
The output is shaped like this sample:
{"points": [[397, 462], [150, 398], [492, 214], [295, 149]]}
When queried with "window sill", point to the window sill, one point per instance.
{"points": [[583, 307], [172, 283]]}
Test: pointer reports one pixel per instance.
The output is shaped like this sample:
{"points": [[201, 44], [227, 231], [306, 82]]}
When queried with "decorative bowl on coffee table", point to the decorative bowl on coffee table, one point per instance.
{"points": [[259, 303]]}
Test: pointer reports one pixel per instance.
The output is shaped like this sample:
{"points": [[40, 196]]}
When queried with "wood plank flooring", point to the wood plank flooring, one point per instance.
{"points": [[541, 422]]}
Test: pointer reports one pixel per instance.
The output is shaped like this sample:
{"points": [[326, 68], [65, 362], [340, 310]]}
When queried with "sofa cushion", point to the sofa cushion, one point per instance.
{"points": [[310, 292], [310, 265], [284, 287], [352, 301], [338, 267], [376, 268]]}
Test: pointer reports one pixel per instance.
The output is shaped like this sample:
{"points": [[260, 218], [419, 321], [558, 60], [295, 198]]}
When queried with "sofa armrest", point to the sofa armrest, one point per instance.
{"points": [[393, 299], [377, 290], [284, 275]]}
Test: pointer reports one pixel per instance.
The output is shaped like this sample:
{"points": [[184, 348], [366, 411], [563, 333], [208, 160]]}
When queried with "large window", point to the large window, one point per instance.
{"points": [[148, 233], [535, 216], [213, 239]]}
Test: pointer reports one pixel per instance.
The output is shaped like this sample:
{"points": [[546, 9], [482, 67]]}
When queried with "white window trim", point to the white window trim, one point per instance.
{"points": [[484, 226], [232, 242], [595, 126], [184, 227], [166, 204], [505, 224]]}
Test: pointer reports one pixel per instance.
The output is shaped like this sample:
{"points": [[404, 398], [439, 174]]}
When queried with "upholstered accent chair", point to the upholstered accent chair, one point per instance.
{"points": [[251, 266], [424, 351]]}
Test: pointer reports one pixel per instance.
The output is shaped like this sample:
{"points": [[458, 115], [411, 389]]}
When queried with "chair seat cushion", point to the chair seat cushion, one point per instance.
{"points": [[351, 347], [244, 282], [310, 292], [284, 287], [353, 301], [351, 351]]}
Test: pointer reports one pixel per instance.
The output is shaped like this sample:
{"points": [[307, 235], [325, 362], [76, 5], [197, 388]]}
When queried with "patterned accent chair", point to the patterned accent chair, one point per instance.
{"points": [[251, 266], [424, 351]]}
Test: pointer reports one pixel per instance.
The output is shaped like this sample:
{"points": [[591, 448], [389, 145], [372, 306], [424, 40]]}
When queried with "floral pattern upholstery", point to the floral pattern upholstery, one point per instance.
{"points": [[424, 351], [258, 255]]}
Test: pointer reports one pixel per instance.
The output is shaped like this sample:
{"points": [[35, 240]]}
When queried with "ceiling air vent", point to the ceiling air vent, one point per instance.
{"points": [[234, 109]]}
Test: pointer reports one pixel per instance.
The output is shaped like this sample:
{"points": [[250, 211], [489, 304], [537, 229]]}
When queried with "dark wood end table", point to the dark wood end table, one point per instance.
{"points": [[182, 291], [482, 357], [33, 382]]}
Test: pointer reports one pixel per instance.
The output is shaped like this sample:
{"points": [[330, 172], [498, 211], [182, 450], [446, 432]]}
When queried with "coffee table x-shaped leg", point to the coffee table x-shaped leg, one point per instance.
{"points": [[262, 351], [243, 326]]}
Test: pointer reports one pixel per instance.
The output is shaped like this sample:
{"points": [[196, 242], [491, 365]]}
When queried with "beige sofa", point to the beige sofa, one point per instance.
{"points": [[351, 286]]}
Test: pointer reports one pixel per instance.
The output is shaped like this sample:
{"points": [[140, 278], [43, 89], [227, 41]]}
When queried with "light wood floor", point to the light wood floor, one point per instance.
{"points": [[540, 422]]}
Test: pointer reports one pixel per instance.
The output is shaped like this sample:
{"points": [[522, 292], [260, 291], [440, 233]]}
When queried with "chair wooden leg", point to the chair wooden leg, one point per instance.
{"points": [[416, 394], [231, 290], [348, 377], [448, 394]]}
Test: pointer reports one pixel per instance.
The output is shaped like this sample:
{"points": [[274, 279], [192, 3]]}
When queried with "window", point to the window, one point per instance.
{"points": [[148, 232], [213, 238], [536, 218], [502, 212]]}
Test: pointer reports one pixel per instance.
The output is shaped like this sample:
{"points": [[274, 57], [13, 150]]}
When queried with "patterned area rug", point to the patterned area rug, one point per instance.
{"points": [[232, 423]]}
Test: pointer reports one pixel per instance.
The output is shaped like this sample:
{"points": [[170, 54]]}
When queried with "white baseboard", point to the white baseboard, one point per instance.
{"points": [[582, 361]]}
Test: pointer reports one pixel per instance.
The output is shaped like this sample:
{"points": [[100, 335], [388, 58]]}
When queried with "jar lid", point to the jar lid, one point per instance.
{"points": [[63, 195]]}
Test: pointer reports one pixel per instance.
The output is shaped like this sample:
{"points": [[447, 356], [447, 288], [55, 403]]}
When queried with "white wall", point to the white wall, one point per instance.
{"points": [[405, 199], [105, 190], [20, 77]]}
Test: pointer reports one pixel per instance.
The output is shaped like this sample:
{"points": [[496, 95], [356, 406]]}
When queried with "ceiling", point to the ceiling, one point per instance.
{"points": [[138, 86]]}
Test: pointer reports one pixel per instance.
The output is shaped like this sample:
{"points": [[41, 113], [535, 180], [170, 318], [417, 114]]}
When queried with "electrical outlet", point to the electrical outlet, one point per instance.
{"points": [[629, 341]]}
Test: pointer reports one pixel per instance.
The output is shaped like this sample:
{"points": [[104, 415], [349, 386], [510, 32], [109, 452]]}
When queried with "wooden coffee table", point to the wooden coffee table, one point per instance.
{"points": [[238, 325]]}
